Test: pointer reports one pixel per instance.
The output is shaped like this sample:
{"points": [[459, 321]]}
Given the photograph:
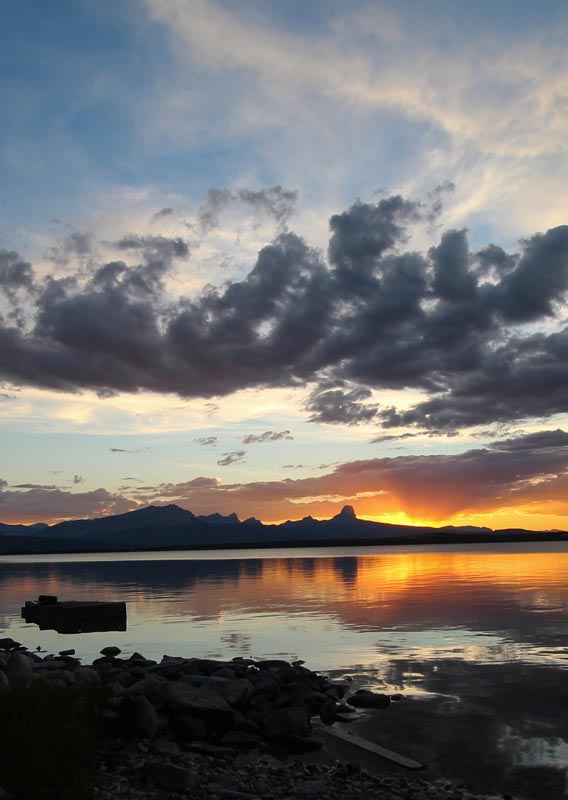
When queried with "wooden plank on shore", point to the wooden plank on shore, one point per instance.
{"points": [[376, 749]]}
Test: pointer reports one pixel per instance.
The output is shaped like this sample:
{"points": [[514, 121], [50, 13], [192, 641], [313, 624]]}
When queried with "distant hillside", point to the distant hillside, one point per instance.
{"points": [[171, 527]]}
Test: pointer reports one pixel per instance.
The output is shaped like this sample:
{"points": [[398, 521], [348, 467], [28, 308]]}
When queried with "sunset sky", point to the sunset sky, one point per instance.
{"points": [[276, 257]]}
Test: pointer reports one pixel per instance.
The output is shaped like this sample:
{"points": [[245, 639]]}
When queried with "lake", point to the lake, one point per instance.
{"points": [[475, 636]]}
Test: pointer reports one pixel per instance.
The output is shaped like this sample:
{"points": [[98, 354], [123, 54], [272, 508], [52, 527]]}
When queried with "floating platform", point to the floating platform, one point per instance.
{"points": [[75, 616]]}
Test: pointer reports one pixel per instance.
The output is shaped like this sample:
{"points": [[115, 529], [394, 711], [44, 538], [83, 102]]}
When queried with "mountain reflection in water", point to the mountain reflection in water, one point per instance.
{"points": [[476, 636]]}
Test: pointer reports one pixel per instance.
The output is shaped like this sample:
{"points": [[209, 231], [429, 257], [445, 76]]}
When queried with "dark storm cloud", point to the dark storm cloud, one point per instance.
{"points": [[274, 202], [450, 323], [236, 457], [267, 436]]}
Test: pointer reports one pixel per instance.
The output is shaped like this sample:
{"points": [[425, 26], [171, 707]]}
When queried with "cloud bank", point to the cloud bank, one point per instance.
{"points": [[527, 474], [478, 332]]}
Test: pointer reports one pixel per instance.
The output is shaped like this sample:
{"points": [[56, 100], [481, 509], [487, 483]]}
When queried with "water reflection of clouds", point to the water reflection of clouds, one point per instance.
{"points": [[496, 606]]}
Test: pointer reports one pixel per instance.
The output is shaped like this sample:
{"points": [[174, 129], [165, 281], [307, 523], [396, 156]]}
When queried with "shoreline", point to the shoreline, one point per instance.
{"points": [[442, 539], [231, 730]]}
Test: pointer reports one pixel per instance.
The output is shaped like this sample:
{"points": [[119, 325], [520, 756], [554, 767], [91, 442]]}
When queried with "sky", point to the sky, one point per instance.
{"points": [[275, 258]]}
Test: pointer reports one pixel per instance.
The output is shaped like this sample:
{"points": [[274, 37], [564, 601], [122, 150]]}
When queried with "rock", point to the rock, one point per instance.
{"points": [[87, 675], [4, 682], [232, 794], [144, 718], [149, 687], [189, 728], [234, 692], [163, 747], [19, 667], [225, 672], [70, 652], [311, 788], [212, 750], [241, 740], [111, 652], [397, 697], [64, 675], [8, 644], [287, 722], [197, 702], [167, 776], [328, 712], [366, 699]]}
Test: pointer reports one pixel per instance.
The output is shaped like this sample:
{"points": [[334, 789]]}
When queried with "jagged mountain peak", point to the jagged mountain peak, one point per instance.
{"points": [[346, 514]]}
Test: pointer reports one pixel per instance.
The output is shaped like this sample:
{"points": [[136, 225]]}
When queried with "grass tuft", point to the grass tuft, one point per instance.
{"points": [[49, 736]]}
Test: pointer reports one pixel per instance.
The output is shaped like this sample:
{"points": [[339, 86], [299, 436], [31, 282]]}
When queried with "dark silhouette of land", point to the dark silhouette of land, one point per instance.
{"points": [[170, 527]]}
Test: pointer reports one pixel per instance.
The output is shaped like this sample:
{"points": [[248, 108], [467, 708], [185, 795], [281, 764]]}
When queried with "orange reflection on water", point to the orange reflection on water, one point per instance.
{"points": [[361, 591]]}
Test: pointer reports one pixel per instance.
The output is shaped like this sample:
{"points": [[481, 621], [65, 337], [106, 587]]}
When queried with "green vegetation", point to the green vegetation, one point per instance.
{"points": [[48, 738]]}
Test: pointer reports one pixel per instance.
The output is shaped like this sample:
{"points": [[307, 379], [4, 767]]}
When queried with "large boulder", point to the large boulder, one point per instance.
{"points": [[287, 722], [19, 667], [144, 718], [87, 675], [197, 702], [233, 691]]}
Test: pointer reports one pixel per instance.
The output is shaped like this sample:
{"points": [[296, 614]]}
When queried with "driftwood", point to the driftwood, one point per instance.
{"points": [[365, 744]]}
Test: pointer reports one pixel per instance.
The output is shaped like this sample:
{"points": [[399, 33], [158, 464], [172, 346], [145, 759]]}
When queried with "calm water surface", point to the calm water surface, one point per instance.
{"points": [[476, 637]]}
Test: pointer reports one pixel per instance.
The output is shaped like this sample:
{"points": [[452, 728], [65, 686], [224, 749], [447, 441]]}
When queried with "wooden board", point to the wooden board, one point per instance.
{"points": [[376, 749]]}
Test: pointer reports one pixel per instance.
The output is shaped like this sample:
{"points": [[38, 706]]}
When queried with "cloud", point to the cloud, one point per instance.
{"points": [[340, 407], [34, 486], [524, 472], [394, 437], [77, 245], [267, 436], [273, 202], [207, 441], [477, 333], [50, 504], [541, 440], [16, 275], [135, 451], [235, 457]]}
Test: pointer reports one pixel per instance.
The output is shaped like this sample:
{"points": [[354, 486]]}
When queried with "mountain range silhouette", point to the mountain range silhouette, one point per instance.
{"points": [[171, 527]]}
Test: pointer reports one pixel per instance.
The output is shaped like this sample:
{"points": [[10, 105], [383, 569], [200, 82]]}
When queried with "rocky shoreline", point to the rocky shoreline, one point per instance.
{"points": [[221, 730]]}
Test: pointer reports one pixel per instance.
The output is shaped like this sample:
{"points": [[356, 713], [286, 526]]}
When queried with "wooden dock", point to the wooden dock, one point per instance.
{"points": [[76, 616]]}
